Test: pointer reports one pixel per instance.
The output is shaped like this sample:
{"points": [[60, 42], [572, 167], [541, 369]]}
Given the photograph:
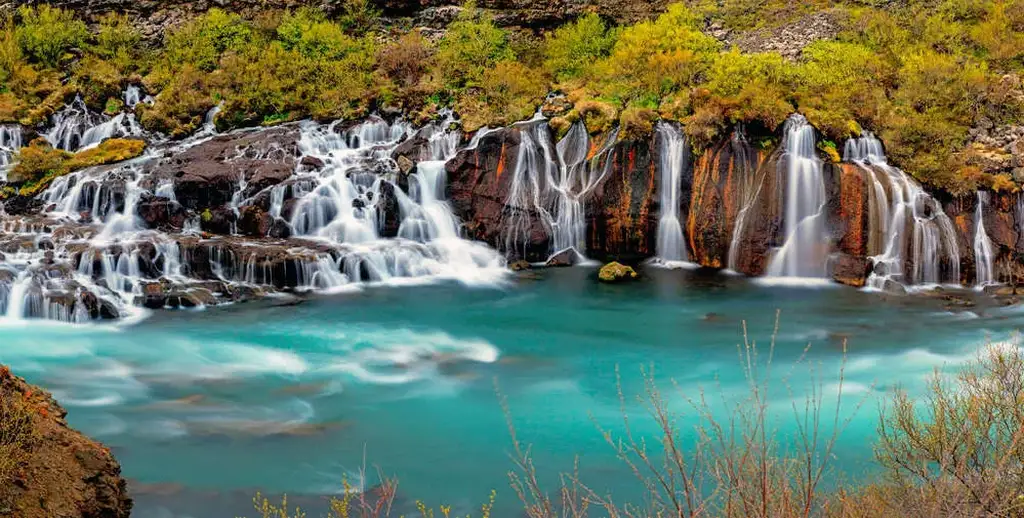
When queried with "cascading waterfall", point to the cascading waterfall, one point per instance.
{"points": [[983, 254], [75, 127], [90, 255], [10, 143], [908, 226], [554, 182], [672, 162], [348, 206], [805, 249]]}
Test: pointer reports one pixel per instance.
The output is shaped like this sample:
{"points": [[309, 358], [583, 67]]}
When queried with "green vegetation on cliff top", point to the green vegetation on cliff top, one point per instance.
{"points": [[919, 75]]}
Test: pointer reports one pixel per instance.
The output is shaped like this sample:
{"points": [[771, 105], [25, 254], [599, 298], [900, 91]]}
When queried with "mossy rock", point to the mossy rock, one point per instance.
{"points": [[616, 272]]}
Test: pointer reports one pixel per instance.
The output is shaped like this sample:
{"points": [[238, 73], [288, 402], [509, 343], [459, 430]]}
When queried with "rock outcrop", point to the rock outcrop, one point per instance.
{"points": [[63, 473]]}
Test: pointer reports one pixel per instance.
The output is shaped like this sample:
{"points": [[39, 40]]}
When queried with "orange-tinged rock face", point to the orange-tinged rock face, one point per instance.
{"points": [[853, 206]]}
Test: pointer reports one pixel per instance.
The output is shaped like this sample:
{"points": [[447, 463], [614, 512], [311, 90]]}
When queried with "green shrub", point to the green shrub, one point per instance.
{"points": [[653, 59], [39, 163], [471, 46], [308, 33], [508, 92], [200, 42], [576, 46], [46, 34]]}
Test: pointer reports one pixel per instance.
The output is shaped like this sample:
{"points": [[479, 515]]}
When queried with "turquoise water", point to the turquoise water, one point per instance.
{"points": [[203, 407]]}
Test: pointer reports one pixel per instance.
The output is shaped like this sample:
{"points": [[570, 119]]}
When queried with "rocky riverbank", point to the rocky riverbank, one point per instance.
{"points": [[60, 472]]}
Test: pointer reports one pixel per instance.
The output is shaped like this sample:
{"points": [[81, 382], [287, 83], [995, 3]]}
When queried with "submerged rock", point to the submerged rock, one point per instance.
{"points": [[616, 272], [64, 473], [520, 265]]}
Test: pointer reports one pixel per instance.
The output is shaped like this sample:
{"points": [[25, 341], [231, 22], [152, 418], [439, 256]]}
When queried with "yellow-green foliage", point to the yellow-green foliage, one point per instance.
{"points": [[46, 34], [508, 92], [637, 123], [471, 45], [202, 41], [39, 163], [652, 59], [919, 74], [574, 47]]}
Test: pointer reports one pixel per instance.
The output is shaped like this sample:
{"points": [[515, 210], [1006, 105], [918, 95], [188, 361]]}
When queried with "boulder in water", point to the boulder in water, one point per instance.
{"points": [[567, 257], [520, 265], [616, 272], [850, 270]]}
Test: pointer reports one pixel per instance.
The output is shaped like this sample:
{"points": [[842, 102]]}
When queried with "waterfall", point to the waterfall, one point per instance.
{"points": [[982, 245], [350, 200], [554, 182], [908, 226], [748, 194], [357, 219], [673, 155], [806, 245], [10, 143], [75, 127]]}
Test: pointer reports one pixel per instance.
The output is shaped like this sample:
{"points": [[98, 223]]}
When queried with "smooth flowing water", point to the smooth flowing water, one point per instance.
{"points": [[982, 244], [912, 241], [553, 182], [204, 407], [673, 153], [805, 248]]}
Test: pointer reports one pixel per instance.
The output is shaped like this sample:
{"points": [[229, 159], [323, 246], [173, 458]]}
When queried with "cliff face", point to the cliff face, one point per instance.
{"points": [[732, 201], [64, 473]]}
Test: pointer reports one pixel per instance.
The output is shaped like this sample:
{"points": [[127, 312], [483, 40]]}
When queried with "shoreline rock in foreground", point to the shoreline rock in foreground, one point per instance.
{"points": [[63, 473]]}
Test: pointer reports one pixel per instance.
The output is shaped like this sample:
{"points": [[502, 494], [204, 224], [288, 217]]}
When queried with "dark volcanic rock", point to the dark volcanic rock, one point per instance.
{"points": [[479, 181], [622, 214], [207, 175], [161, 213]]}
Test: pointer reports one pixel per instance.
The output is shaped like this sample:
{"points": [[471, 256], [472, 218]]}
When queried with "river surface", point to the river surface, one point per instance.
{"points": [[202, 408]]}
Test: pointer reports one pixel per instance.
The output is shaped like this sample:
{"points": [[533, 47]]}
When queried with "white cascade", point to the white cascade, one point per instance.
{"points": [[554, 183], [913, 241], [75, 127], [10, 143], [349, 201], [804, 252], [673, 158], [983, 254]]}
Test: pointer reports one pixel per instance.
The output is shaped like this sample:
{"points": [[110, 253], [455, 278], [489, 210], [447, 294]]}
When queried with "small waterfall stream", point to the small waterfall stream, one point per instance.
{"points": [[749, 192], [554, 182], [983, 254], [908, 228], [804, 251], [673, 155], [75, 127], [10, 143]]}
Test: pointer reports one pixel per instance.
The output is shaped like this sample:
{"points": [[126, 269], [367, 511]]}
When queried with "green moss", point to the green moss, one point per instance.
{"points": [[616, 272], [39, 163]]}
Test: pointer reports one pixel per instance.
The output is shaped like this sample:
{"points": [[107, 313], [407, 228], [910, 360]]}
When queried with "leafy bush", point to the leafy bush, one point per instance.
{"points": [[653, 59], [46, 34], [200, 42], [472, 45], [508, 92], [574, 47]]}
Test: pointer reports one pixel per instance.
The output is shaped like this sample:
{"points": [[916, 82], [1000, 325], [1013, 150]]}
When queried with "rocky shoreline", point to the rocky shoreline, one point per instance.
{"points": [[64, 473]]}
